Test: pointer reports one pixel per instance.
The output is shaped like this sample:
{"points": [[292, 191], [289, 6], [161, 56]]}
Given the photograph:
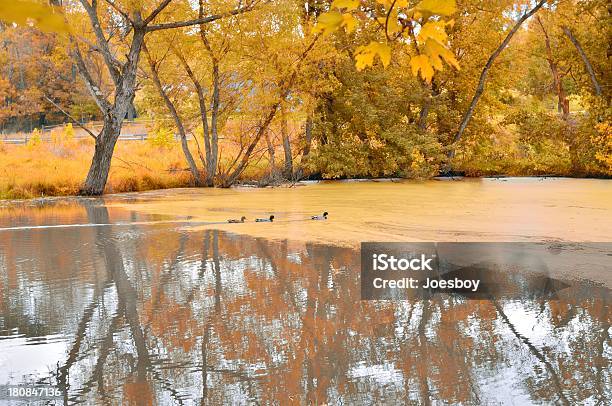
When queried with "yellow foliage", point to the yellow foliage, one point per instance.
{"points": [[35, 138], [421, 63], [329, 22], [603, 140], [439, 7], [434, 30], [26, 12], [437, 52], [349, 23], [347, 4], [68, 133], [334, 20], [431, 36], [364, 55], [161, 137]]}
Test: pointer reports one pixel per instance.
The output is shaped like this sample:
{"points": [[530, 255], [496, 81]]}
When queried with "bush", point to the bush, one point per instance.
{"points": [[161, 137], [35, 138]]}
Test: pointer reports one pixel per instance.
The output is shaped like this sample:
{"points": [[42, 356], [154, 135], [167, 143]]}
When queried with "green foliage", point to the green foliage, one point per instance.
{"points": [[161, 137], [68, 133], [35, 138], [362, 132]]}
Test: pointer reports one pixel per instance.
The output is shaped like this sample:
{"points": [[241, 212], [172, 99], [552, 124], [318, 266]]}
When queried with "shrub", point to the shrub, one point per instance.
{"points": [[35, 138], [161, 137]]}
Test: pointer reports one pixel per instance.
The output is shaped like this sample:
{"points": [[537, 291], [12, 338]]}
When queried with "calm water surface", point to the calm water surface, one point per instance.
{"points": [[126, 308]]}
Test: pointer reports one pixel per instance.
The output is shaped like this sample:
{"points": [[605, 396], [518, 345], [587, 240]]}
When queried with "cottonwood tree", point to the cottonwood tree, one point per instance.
{"points": [[119, 30], [196, 64], [485, 72], [247, 67]]}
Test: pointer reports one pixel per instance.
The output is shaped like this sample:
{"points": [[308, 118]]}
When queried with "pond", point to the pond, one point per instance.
{"points": [[123, 300]]}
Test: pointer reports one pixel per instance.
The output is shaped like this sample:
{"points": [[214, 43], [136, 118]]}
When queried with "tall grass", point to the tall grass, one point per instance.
{"points": [[59, 168], [58, 165]]}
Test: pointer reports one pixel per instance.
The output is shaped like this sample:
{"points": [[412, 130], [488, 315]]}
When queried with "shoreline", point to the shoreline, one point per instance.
{"points": [[286, 185]]}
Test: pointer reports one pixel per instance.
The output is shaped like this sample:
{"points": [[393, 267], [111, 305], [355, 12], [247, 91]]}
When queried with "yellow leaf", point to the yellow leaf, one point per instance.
{"points": [[438, 7], [421, 63], [364, 55], [26, 12], [329, 22], [349, 23], [347, 4], [434, 30], [435, 50]]}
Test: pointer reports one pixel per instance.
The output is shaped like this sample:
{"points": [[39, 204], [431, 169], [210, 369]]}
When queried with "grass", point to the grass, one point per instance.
{"points": [[59, 169]]}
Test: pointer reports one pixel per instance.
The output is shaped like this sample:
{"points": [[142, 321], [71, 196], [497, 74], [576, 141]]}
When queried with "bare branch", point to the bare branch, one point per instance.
{"points": [[109, 59], [205, 20], [119, 10], [72, 119], [585, 59], [99, 98], [155, 12]]}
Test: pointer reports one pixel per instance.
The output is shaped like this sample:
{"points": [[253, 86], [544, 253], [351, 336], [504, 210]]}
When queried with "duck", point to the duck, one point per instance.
{"points": [[268, 220], [322, 217], [236, 220]]}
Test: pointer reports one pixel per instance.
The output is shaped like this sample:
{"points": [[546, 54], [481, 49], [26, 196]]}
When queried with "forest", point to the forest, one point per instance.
{"points": [[267, 91]]}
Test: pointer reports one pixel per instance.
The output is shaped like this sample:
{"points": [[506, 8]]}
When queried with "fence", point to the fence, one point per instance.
{"points": [[131, 131]]}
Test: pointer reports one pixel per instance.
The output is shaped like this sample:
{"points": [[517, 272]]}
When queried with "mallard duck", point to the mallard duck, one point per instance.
{"points": [[268, 220], [237, 221], [323, 217]]}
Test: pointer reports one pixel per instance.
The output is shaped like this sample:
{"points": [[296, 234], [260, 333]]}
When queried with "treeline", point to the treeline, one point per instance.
{"points": [[380, 88]]}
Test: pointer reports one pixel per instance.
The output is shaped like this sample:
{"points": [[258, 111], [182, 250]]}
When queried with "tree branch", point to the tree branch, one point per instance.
{"points": [[585, 59], [119, 10], [205, 20], [155, 12], [72, 119], [485, 71], [99, 98], [109, 59]]}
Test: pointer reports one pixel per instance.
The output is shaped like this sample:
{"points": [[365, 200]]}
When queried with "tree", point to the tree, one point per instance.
{"points": [[485, 71], [133, 23], [245, 67]]}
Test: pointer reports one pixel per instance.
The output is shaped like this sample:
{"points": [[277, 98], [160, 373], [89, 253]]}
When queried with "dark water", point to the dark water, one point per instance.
{"points": [[146, 312]]}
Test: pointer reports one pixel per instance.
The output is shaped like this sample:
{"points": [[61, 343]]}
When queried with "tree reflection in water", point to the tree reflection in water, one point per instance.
{"points": [[156, 314]]}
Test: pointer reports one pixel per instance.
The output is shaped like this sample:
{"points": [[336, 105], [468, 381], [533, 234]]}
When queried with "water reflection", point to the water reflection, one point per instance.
{"points": [[148, 314]]}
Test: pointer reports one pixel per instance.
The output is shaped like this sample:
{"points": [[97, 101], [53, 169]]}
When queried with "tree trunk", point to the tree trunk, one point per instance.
{"points": [[113, 117], [562, 100], [307, 137], [101, 161], [485, 72], [177, 119], [211, 168], [585, 59], [288, 172], [271, 153], [263, 127]]}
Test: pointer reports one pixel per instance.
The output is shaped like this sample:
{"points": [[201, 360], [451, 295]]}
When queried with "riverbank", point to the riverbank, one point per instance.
{"points": [[58, 168]]}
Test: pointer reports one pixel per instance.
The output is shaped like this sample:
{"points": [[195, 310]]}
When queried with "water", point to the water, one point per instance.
{"points": [[130, 307]]}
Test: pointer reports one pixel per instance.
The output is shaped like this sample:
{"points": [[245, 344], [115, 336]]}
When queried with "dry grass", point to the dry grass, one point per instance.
{"points": [[58, 169]]}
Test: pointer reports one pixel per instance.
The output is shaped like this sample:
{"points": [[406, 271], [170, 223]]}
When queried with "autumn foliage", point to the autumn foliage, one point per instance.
{"points": [[321, 89]]}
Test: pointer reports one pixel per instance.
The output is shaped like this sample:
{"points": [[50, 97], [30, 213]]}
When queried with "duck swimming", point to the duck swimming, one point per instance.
{"points": [[237, 221], [268, 220], [323, 217]]}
